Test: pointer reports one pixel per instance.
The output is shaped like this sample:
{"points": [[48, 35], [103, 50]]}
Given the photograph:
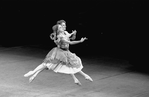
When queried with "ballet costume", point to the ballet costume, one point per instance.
{"points": [[63, 61]]}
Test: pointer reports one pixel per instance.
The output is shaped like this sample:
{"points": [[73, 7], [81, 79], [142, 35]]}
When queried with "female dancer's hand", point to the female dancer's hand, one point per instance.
{"points": [[82, 39]]}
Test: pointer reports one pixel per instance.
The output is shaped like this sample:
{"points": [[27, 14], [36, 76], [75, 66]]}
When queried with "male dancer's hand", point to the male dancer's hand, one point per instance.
{"points": [[74, 32]]}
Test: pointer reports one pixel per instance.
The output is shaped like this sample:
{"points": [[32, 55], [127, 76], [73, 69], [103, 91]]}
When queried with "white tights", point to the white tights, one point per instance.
{"points": [[42, 66]]}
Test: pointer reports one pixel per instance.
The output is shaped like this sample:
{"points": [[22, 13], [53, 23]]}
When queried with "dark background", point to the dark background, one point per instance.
{"points": [[114, 28]]}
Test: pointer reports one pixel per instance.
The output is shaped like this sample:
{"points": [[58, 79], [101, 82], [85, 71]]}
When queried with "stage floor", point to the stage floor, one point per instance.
{"points": [[111, 79]]}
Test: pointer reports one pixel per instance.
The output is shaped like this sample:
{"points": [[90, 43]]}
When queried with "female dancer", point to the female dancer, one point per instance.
{"points": [[60, 59]]}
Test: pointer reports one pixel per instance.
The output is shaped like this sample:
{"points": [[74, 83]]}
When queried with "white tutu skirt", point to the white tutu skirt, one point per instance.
{"points": [[63, 61]]}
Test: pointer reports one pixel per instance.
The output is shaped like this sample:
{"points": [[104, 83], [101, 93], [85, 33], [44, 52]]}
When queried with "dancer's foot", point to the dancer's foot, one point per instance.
{"points": [[78, 82], [89, 78], [31, 79], [29, 74]]}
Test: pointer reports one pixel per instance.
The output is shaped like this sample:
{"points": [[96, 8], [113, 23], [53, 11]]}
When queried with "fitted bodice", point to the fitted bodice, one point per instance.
{"points": [[62, 44]]}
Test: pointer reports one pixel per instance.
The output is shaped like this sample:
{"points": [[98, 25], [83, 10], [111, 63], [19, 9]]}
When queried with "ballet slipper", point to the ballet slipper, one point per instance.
{"points": [[89, 78], [31, 79], [29, 74], [77, 82]]}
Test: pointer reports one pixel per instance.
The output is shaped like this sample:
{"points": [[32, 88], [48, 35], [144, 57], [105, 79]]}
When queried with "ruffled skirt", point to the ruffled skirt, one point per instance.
{"points": [[63, 61]]}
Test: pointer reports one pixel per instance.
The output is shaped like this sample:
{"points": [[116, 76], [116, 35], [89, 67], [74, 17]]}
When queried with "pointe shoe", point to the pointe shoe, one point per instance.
{"points": [[89, 78], [29, 74], [31, 79], [78, 83]]}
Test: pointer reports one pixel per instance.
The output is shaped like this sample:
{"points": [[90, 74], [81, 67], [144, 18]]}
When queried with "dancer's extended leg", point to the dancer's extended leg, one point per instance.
{"points": [[76, 81], [40, 67], [48, 65], [86, 76]]}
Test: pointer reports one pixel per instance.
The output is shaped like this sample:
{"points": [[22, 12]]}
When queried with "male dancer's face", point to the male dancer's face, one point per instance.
{"points": [[63, 25]]}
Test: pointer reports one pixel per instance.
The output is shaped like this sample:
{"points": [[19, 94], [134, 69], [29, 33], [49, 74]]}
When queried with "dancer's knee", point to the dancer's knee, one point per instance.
{"points": [[43, 65], [49, 65]]}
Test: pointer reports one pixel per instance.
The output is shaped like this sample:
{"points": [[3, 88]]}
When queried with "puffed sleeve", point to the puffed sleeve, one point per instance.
{"points": [[73, 37]]}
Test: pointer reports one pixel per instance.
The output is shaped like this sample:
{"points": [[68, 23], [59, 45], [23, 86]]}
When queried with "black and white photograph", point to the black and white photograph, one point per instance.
{"points": [[74, 48]]}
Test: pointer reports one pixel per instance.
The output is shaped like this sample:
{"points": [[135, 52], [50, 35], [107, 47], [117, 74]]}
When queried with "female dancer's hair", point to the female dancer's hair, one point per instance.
{"points": [[55, 28], [73, 37], [53, 35]]}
